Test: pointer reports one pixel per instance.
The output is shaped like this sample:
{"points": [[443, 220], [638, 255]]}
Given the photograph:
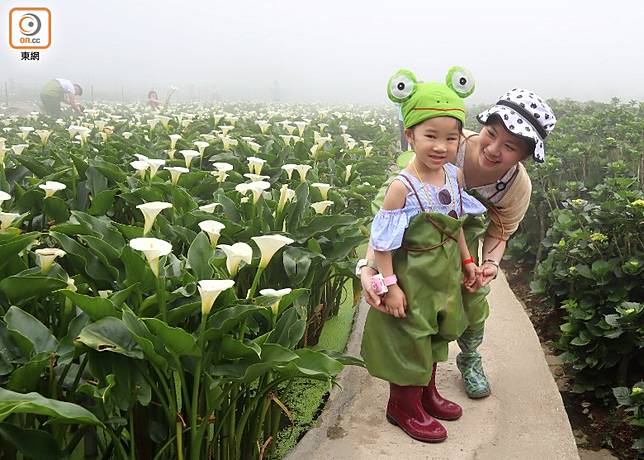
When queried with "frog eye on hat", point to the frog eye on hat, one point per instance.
{"points": [[401, 85], [460, 80]]}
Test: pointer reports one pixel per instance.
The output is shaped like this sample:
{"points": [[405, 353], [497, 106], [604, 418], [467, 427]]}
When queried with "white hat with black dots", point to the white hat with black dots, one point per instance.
{"points": [[524, 114]]}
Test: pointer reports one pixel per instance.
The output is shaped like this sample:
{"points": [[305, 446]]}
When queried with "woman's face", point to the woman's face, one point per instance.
{"points": [[500, 150]]}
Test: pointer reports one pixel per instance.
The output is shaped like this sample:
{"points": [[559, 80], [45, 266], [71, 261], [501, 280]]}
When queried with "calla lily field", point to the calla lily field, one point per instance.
{"points": [[164, 275]]}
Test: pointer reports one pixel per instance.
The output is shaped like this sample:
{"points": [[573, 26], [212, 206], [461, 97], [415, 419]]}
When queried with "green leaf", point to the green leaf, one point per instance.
{"points": [[109, 170], [110, 334], [95, 307], [56, 209], [34, 403], [28, 326], [102, 202], [288, 330], [199, 254], [322, 224], [297, 262], [26, 377], [175, 339], [36, 444], [299, 209], [11, 248]]}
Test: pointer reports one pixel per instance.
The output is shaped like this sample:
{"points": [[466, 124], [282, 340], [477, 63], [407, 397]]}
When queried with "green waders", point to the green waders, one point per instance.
{"points": [[477, 310], [428, 266], [51, 95]]}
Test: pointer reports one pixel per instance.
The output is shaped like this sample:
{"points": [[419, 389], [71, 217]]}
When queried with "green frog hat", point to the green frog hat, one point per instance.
{"points": [[420, 101]]}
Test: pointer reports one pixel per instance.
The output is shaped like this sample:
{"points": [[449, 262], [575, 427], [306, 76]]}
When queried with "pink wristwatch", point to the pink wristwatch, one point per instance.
{"points": [[389, 280]]}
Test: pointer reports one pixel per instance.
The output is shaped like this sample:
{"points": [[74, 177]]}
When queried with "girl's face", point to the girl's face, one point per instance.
{"points": [[435, 141], [499, 149]]}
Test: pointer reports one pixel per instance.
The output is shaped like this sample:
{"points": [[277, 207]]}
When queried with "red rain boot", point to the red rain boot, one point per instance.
{"points": [[438, 406], [405, 410]]}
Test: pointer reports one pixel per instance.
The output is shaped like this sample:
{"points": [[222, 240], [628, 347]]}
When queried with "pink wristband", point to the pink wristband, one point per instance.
{"points": [[391, 279]]}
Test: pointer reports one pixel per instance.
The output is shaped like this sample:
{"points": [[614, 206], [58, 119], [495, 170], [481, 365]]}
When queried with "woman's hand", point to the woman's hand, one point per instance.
{"points": [[395, 301], [487, 273]]}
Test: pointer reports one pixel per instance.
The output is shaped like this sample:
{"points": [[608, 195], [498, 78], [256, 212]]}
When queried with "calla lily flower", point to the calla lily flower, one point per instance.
{"points": [[213, 229], [344, 128], [141, 157], [367, 150], [284, 197], [347, 173], [323, 188], [175, 172], [254, 146], [209, 290], [289, 129], [24, 132], [322, 126], [18, 148], [286, 138], [321, 206], [225, 129], [255, 164], [314, 150], [150, 212], [263, 125], [256, 177], [289, 168], [6, 219], [302, 170], [173, 140], [154, 165], [300, 126], [44, 135], [228, 142], [153, 122], [235, 254], [4, 196], [140, 166], [46, 257], [269, 245], [217, 117], [153, 248], [51, 187], [256, 187], [209, 207], [277, 295], [189, 155], [126, 135], [164, 121], [201, 145]]}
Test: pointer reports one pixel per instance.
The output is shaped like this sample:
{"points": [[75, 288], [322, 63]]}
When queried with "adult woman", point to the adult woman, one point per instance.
{"points": [[514, 129]]}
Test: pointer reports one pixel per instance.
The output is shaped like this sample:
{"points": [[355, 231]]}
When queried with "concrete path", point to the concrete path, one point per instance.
{"points": [[523, 419]]}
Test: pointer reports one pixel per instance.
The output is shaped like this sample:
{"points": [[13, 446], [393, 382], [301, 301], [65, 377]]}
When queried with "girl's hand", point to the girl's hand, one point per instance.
{"points": [[470, 277], [370, 295], [395, 301]]}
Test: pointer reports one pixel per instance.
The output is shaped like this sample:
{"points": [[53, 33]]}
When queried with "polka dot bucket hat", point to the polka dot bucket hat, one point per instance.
{"points": [[524, 114]]}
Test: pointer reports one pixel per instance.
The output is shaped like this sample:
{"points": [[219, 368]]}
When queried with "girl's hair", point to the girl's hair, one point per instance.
{"points": [[495, 118], [152, 93]]}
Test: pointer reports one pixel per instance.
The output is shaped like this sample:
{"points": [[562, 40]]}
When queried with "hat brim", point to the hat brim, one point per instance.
{"points": [[506, 114]]}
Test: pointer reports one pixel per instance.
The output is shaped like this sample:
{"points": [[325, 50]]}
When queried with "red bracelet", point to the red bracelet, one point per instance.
{"points": [[469, 260]]}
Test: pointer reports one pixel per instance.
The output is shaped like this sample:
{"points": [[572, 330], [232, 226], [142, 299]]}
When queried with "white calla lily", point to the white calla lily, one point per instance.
{"points": [[300, 126], [175, 173], [44, 135], [277, 295], [6, 219], [201, 146], [235, 254], [209, 207], [289, 168], [165, 121], [173, 140], [46, 257], [153, 248], [347, 173], [255, 164], [323, 188], [269, 245], [302, 170], [19, 148], [155, 164], [4, 196], [51, 187], [213, 229], [256, 177], [225, 129], [140, 166], [150, 212], [209, 290], [256, 187], [321, 206], [188, 155], [263, 125]]}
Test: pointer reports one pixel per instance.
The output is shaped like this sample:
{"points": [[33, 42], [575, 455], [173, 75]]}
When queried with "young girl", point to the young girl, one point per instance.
{"points": [[422, 254]]}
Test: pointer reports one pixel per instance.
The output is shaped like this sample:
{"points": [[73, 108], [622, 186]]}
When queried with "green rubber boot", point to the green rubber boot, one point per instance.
{"points": [[470, 365]]}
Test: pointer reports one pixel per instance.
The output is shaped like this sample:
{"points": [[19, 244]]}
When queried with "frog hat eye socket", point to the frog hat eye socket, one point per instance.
{"points": [[460, 80], [401, 85]]}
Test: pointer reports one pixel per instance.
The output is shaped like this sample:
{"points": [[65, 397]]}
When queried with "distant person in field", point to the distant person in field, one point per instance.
{"points": [[153, 100], [60, 90]]}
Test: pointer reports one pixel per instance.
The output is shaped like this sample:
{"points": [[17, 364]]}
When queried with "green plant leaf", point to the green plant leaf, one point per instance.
{"points": [[95, 307], [110, 334], [28, 326], [36, 444], [199, 254]]}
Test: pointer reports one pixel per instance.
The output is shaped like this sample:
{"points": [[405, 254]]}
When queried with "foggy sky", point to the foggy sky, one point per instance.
{"points": [[337, 51]]}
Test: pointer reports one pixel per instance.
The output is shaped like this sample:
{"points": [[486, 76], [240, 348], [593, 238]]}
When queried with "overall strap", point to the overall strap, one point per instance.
{"points": [[413, 190]]}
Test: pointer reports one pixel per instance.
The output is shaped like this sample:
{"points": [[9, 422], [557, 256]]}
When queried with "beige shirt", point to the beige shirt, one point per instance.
{"points": [[508, 207]]}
